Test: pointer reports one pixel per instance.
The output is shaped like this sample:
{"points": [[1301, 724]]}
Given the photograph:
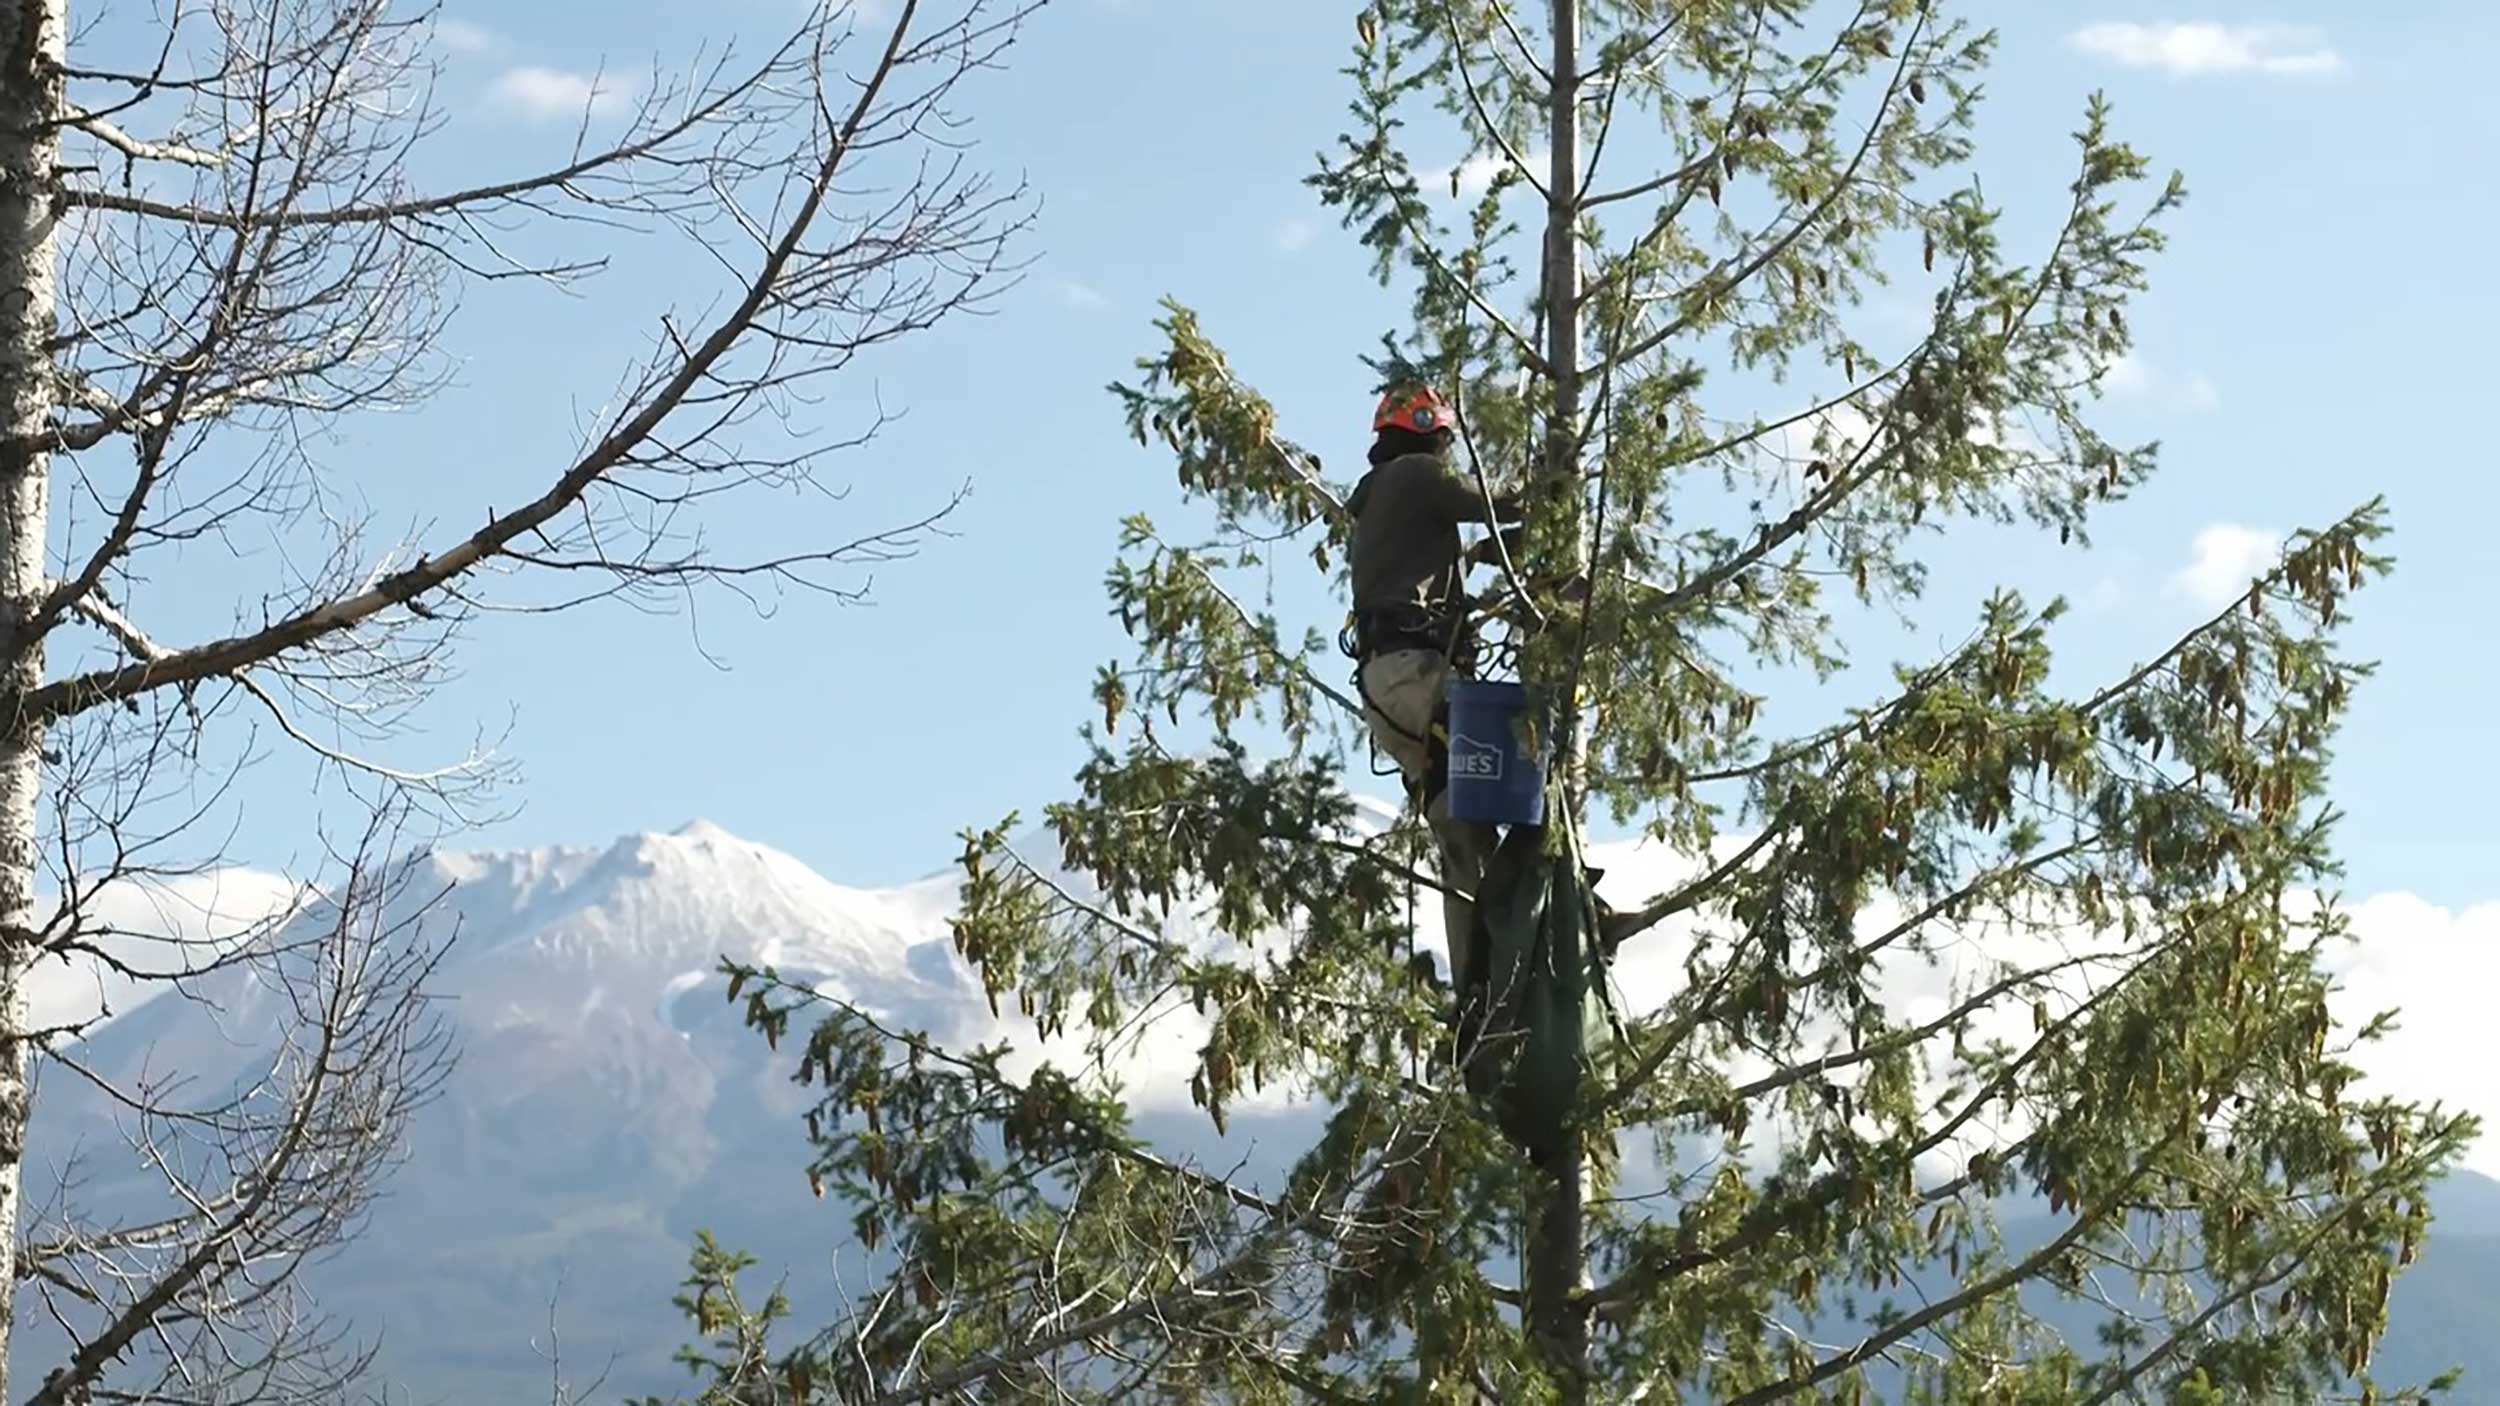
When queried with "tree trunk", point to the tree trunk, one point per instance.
{"points": [[1557, 1251], [32, 38]]}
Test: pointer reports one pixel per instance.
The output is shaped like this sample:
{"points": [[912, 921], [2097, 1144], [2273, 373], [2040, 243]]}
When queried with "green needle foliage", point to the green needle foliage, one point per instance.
{"points": [[2134, 1113]]}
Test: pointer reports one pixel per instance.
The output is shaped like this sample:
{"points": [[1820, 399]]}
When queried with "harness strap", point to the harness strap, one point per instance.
{"points": [[1369, 634], [1433, 734]]}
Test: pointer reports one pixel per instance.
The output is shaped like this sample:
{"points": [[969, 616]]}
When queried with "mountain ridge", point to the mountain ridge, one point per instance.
{"points": [[609, 1102]]}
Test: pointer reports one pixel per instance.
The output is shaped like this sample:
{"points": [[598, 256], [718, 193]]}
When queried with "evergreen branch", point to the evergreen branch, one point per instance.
{"points": [[1333, 505], [1626, 926], [1583, 640], [1475, 100], [2270, 579], [1941, 906], [1955, 1188], [1314, 1387], [1527, 51], [1103, 1138], [1690, 175], [1144, 937], [2293, 1260], [1419, 237], [1906, 1038], [1300, 466], [1274, 647], [1770, 1218], [2030, 1267], [1771, 537], [1691, 171], [1721, 279], [1631, 55], [1485, 495], [1758, 432], [1175, 1308], [1710, 1007], [1597, 149], [1880, 717], [1367, 855]]}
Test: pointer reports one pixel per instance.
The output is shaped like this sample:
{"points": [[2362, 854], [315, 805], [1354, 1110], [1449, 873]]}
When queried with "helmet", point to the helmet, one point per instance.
{"points": [[1417, 408]]}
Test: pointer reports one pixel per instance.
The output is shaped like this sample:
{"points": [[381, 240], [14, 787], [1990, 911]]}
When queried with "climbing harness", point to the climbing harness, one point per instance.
{"points": [[1368, 634]]}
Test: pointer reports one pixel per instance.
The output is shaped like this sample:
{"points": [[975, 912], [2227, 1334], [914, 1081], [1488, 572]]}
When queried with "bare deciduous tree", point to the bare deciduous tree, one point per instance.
{"points": [[213, 253], [254, 1170]]}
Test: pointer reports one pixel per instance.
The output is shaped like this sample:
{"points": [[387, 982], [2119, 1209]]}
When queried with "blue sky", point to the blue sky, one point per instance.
{"points": [[2316, 335]]}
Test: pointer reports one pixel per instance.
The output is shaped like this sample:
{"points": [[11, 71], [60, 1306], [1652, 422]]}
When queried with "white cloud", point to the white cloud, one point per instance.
{"points": [[2107, 593], [1652, 968], [2134, 378], [1831, 435], [2437, 965], [2201, 49], [1079, 296], [546, 94], [1295, 235], [156, 924], [2012, 433], [466, 39], [2128, 375], [2227, 556], [1475, 174], [1836, 434]]}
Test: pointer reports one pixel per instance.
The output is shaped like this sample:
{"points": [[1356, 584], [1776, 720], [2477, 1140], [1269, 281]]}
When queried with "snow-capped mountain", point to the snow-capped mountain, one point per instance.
{"points": [[608, 1104]]}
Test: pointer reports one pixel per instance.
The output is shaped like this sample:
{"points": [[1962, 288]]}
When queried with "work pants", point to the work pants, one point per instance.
{"points": [[1402, 691]]}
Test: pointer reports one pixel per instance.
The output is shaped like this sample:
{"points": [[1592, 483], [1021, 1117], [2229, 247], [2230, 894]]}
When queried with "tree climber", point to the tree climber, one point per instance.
{"points": [[1411, 630]]}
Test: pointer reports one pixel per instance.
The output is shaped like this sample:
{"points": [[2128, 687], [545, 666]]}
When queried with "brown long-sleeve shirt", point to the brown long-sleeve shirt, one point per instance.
{"points": [[1406, 550]]}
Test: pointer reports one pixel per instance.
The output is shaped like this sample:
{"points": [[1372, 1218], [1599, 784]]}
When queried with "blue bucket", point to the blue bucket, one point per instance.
{"points": [[1495, 779]]}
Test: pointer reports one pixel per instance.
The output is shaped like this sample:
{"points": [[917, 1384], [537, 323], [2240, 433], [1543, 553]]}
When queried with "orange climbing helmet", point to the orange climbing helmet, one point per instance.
{"points": [[1416, 408]]}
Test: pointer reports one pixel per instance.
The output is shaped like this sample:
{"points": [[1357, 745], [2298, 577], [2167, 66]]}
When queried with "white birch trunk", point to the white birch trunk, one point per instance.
{"points": [[32, 36]]}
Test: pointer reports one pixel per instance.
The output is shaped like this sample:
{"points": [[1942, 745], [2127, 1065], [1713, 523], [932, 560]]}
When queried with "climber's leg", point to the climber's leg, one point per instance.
{"points": [[1402, 693], [1465, 848]]}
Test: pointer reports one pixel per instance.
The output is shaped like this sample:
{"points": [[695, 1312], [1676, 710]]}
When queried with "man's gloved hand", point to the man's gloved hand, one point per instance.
{"points": [[1489, 550], [1424, 972], [1574, 589]]}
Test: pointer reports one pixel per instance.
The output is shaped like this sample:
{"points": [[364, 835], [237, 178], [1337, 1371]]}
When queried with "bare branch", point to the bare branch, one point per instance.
{"points": [[635, 439], [302, 1144], [104, 131], [499, 193]]}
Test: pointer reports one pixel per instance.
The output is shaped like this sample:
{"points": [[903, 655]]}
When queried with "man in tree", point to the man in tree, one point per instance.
{"points": [[1411, 627], [2124, 1158]]}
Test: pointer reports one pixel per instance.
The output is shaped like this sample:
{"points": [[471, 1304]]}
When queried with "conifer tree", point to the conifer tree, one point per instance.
{"points": [[1654, 316]]}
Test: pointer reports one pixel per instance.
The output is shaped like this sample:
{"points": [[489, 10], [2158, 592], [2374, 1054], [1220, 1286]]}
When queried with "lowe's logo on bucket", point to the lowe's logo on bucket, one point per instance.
{"points": [[1481, 761], [1500, 782]]}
